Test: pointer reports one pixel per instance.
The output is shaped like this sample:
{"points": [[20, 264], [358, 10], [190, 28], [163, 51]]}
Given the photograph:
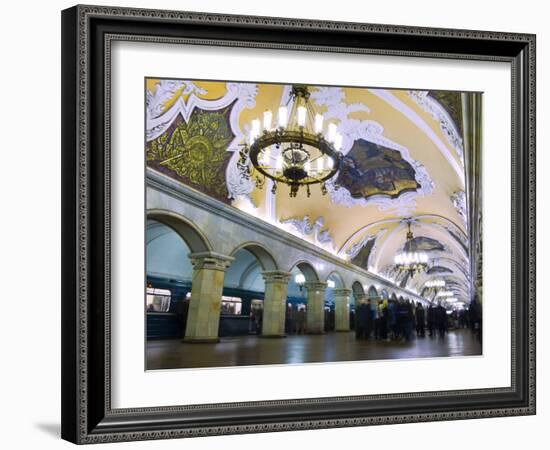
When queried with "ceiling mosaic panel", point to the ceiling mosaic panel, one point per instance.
{"points": [[195, 152], [403, 159], [370, 169]]}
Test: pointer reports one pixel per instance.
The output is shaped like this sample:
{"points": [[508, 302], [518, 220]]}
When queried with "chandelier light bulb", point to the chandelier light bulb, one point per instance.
{"points": [[318, 123], [330, 163], [338, 141], [267, 120], [435, 283], [279, 162], [282, 117], [331, 132], [319, 164], [255, 128], [307, 167], [267, 156], [301, 115]]}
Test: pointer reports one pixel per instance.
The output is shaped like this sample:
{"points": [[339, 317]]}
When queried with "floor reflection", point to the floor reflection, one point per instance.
{"points": [[299, 349]]}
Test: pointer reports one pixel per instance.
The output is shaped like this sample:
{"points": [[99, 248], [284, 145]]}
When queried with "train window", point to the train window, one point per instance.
{"points": [[158, 300], [231, 305]]}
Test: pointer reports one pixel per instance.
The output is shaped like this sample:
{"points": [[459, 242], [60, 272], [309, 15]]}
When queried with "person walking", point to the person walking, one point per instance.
{"points": [[361, 320], [431, 319], [441, 320], [409, 322], [371, 315], [420, 320]]}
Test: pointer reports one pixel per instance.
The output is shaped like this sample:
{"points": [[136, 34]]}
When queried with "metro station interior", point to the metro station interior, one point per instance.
{"points": [[381, 259]]}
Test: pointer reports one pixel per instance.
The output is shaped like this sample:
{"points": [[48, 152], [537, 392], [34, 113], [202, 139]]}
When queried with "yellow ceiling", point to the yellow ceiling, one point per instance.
{"points": [[343, 222]]}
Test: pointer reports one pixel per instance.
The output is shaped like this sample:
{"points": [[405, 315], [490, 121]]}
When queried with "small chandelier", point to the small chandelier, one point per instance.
{"points": [[435, 284], [298, 152], [445, 294], [409, 259]]}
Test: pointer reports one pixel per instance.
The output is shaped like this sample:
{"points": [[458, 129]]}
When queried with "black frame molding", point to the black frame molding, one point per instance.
{"points": [[87, 32]]}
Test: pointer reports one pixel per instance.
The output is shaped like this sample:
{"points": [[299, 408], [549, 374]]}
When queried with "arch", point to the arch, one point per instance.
{"points": [[167, 253], [337, 278], [424, 218], [307, 269], [372, 292], [393, 297], [384, 294], [357, 289], [262, 254], [195, 239]]}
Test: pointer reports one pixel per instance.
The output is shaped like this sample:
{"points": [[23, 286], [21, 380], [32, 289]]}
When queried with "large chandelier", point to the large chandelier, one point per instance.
{"points": [[410, 259], [298, 151]]}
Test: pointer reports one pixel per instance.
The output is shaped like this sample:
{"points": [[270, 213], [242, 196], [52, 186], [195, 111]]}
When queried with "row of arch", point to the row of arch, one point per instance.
{"points": [[198, 242]]}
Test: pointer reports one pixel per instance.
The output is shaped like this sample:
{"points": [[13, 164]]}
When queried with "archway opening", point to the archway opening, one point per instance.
{"points": [[334, 281], [241, 311], [169, 276], [297, 299]]}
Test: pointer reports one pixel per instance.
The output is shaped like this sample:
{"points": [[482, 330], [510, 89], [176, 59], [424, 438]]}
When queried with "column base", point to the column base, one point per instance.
{"points": [[269, 336], [201, 340], [343, 331], [316, 332]]}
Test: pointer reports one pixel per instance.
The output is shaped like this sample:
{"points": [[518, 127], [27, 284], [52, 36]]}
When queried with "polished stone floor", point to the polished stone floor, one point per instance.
{"points": [[297, 349]]}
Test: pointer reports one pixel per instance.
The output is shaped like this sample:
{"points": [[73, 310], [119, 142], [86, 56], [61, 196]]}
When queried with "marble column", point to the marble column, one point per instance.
{"points": [[315, 318], [276, 287], [203, 318], [341, 309]]}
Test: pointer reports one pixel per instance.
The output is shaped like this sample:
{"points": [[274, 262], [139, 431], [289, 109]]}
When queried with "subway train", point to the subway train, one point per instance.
{"points": [[167, 302]]}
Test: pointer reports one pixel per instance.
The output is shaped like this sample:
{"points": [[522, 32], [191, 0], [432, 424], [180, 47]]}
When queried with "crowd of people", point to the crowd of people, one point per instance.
{"points": [[402, 320], [393, 320]]}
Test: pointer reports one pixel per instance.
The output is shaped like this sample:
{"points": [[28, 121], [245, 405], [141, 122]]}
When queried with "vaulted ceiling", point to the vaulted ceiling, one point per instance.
{"points": [[406, 154]]}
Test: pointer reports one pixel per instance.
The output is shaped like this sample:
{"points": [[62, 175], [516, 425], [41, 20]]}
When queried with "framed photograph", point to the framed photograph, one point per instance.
{"points": [[282, 224]]}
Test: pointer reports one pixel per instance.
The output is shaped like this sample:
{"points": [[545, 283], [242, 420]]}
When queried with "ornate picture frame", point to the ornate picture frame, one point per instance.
{"points": [[88, 33]]}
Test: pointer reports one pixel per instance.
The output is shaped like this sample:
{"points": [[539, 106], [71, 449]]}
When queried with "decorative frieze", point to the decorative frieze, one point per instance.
{"points": [[306, 229]]}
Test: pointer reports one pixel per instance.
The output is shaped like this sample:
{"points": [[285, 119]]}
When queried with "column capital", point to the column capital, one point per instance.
{"points": [[315, 285], [276, 276], [342, 292], [210, 261]]}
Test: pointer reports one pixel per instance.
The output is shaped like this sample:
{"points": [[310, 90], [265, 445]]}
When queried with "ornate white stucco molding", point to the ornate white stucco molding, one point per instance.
{"points": [[355, 248], [353, 129], [459, 201], [305, 229], [446, 123]]}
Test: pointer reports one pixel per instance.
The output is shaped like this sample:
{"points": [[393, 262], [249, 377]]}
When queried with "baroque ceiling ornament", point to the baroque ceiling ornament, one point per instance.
{"points": [[459, 201], [370, 131], [164, 91], [355, 248], [305, 228], [240, 95], [446, 123]]}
